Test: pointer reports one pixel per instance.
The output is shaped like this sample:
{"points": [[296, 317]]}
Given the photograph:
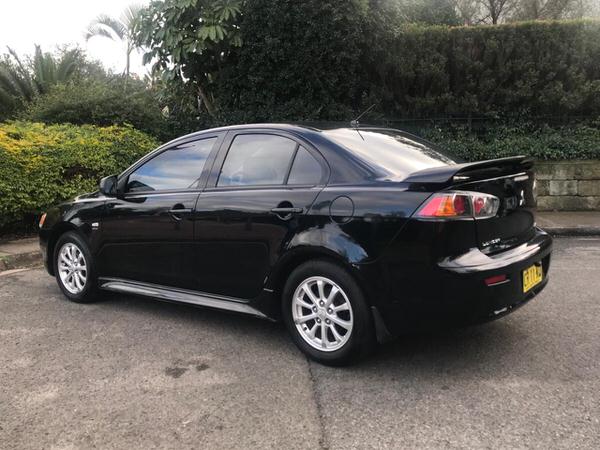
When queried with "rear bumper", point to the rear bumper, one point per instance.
{"points": [[454, 292]]}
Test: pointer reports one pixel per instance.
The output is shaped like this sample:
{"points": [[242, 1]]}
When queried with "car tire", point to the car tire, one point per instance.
{"points": [[74, 268], [321, 294]]}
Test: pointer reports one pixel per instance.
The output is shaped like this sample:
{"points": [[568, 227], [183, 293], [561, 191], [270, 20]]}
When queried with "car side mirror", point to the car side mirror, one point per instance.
{"points": [[108, 186]]}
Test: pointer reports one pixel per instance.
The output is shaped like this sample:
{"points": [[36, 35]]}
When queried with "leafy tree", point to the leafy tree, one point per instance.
{"points": [[116, 29], [496, 10], [431, 12], [190, 42], [550, 9]]}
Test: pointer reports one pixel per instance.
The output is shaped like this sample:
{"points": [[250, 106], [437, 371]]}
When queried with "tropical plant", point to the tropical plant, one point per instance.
{"points": [[21, 81], [120, 29], [190, 41]]}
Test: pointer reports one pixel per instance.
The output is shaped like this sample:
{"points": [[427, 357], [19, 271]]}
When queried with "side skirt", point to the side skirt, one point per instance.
{"points": [[179, 295]]}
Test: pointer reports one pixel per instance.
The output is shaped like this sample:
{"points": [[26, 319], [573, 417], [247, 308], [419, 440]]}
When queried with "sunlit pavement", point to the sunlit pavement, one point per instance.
{"points": [[135, 373]]}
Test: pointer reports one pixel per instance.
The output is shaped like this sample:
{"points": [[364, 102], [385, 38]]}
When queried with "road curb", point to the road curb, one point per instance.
{"points": [[19, 261]]}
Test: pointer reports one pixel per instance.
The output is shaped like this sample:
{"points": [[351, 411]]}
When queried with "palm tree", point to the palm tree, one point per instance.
{"points": [[21, 82], [116, 29]]}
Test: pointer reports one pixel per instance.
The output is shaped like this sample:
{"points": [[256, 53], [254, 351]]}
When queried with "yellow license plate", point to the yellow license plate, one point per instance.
{"points": [[532, 276]]}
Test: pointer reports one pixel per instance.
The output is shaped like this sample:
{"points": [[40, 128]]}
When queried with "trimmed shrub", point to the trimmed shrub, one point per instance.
{"points": [[100, 102], [41, 165], [329, 60], [523, 69], [298, 61], [578, 141]]}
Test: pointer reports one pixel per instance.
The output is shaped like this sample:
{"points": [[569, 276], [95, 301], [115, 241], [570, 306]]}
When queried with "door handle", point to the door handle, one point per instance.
{"points": [[180, 210], [286, 211], [177, 210]]}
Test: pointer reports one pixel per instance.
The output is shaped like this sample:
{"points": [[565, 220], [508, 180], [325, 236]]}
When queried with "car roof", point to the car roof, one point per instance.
{"points": [[298, 127]]}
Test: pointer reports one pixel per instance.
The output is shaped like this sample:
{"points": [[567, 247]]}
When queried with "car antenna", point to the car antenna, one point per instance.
{"points": [[355, 123]]}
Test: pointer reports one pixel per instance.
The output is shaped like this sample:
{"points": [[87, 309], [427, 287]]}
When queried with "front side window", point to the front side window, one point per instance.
{"points": [[176, 168], [257, 159]]}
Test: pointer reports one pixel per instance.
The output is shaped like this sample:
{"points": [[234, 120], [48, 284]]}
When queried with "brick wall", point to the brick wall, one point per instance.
{"points": [[568, 185]]}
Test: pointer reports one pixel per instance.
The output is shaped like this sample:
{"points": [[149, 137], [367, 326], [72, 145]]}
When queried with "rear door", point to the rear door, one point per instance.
{"points": [[261, 186], [149, 227]]}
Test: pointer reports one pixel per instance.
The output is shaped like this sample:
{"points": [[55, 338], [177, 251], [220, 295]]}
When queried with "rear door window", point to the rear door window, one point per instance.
{"points": [[257, 159], [306, 170]]}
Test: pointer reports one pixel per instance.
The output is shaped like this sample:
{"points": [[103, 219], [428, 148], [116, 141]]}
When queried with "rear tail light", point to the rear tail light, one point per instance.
{"points": [[459, 205], [42, 220]]}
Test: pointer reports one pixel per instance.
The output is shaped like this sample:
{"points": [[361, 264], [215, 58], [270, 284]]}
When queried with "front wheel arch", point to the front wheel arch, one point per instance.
{"points": [[57, 231]]}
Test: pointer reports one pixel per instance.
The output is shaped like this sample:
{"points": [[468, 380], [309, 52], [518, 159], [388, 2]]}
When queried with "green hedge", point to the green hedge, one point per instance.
{"points": [[530, 69], [576, 141], [321, 60], [41, 165]]}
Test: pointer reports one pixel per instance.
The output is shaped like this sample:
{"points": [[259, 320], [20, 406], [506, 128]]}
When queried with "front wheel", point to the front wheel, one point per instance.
{"points": [[74, 268], [326, 313]]}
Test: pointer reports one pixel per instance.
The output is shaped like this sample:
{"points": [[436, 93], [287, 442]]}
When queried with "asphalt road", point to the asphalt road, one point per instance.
{"points": [[135, 373]]}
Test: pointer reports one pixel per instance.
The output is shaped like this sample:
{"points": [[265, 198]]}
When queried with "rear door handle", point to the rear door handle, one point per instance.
{"points": [[285, 211]]}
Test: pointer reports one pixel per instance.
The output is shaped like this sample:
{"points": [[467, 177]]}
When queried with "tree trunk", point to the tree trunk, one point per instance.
{"points": [[208, 104]]}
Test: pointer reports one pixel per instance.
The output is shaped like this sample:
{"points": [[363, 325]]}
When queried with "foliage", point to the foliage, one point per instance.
{"points": [[299, 61], [21, 81], [472, 12], [190, 41], [331, 59], [431, 12], [104, 101], [526, 69], [41, 165], [580, 141]]}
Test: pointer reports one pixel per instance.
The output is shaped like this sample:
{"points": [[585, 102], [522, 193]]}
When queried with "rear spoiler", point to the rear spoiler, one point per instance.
{"points": [[472, 171]]}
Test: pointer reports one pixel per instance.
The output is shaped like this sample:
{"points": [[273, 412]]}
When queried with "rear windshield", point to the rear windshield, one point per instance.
{"points": [[390, 153]]}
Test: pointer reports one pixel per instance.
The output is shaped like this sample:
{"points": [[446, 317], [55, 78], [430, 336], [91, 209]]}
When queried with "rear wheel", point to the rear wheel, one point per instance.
{"points": [[326, 313], [74, 268]]}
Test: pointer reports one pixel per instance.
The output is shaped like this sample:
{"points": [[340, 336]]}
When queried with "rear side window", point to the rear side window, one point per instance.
{"points": [[306, 169], [176, 168], [390, 153], [257, 159]]}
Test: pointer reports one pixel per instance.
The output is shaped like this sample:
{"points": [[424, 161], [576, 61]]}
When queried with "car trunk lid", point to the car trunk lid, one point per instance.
{"points": [[510, 179]]}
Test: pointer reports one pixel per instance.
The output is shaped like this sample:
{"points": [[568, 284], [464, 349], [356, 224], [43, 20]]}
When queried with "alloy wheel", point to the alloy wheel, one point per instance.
{"points": [[72, 268], [322, 314]]}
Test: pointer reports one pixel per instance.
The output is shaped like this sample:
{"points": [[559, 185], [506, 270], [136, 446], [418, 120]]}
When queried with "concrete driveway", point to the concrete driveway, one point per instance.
{"points": [[135, 373]]}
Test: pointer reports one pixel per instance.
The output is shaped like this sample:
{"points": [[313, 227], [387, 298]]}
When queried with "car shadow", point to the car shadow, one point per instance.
{"points": [[493, 348]]}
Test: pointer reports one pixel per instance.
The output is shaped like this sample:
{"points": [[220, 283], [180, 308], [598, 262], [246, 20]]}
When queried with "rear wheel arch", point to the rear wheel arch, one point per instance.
{"points": [[289, 263], [346, 347]]}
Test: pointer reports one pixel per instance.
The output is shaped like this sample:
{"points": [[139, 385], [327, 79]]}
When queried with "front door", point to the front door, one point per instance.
{"points": [[146, 231], [260, 189]]}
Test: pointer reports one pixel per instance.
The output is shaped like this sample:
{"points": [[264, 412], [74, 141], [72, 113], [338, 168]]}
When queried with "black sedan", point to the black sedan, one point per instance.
{"points": [[349, 235]]}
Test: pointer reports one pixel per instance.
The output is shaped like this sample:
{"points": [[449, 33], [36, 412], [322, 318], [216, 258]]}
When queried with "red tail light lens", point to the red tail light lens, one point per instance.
{"points": [[458, 205]]}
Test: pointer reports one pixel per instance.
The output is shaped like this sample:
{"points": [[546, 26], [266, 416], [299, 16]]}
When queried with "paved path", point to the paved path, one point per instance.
{"points": [[134, 373]]}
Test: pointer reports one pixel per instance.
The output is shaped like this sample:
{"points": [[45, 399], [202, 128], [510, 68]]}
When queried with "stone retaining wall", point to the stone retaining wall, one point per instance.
{"points": [[568, 185]]}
